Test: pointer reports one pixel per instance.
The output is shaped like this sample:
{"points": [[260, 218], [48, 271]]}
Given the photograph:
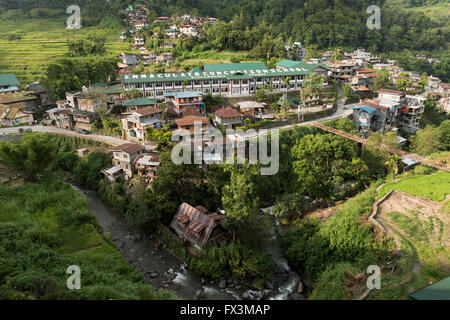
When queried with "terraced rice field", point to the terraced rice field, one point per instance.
{"points": [[42, 42]]}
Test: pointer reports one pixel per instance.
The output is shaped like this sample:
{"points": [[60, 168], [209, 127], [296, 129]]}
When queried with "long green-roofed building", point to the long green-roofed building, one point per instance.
{"points": [[228, 79]]}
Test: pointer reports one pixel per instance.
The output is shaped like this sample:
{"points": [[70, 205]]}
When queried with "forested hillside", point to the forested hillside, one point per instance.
{"points": [[324, 23]]}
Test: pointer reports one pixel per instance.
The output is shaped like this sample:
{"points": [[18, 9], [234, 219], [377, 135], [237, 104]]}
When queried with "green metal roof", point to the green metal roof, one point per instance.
{"points": [[234, 66], [196, 69], [139, 102], [288, 63], [116, 89], [8, 79], [227, 74], [437, 291]]}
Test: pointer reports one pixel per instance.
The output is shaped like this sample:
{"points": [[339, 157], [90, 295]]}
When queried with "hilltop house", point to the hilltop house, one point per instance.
{"points": [[137, 121], [139, 41], [188, 30], [9, 83], [123, 159]]}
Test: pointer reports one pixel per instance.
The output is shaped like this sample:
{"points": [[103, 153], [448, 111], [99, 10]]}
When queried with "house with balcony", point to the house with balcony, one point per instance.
{"points": [[138, 103], [228, 117], [123, 159], [83, 120], [137, 122], [342, 68], [188, 30], [178, 101], [139, 41], [192, 122], [146, 165], [9, 83]]}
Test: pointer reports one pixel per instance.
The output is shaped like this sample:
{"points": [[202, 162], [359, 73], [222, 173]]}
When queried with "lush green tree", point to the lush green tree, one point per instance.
{"points": [[88, 170], [444, 134], [402, 84], [427, 141], [241, 204], [30, 158], [319, 159]]}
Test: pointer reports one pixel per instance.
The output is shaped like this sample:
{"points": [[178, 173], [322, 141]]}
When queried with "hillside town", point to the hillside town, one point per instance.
{"points": [[176, 153]]}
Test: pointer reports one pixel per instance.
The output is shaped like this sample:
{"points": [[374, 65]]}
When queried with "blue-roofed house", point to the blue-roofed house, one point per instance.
{"points": [[179, 101], [9, 83], [363, 117]]}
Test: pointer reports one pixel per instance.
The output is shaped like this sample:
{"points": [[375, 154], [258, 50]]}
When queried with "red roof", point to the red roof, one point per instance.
{"points": [[129, 148], [190, 120], [227, 112]]}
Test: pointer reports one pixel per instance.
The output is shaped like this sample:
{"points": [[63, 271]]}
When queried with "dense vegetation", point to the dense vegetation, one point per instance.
{"points": [[323, 23], [46, 227]]}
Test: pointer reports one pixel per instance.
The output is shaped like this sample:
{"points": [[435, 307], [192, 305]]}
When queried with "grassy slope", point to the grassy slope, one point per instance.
{"points": [[434, 187], [44, 228], [421, 239], [43, 41], [432, 256]]}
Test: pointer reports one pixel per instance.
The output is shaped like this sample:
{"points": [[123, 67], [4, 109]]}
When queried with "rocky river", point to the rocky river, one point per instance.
{"points": [[162, 270]]}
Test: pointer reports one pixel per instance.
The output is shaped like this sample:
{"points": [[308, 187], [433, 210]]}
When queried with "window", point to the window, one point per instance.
{"points": [[168, 84], [236, 82], [196, 83], [244, 81], [215, 81], [224, 81], [206, 82], [158, 85]]}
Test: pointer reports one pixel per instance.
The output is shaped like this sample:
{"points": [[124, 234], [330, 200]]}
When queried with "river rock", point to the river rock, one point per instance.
{"points": [[153, 274], [245, 295], [229, 281], [166, 285], [268, 285], [203, 280], [222, 284], [298, 296], [300, 287], [198, 295]]}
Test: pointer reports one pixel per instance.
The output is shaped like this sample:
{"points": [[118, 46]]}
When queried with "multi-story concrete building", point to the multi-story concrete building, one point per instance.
{"points": [[391, 109], [123, 158], [230, 79], [179, 101], [137, 121]]}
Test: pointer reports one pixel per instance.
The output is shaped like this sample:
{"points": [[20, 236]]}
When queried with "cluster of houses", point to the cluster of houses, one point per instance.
{"points": [[18, 105], [391, 109]]}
